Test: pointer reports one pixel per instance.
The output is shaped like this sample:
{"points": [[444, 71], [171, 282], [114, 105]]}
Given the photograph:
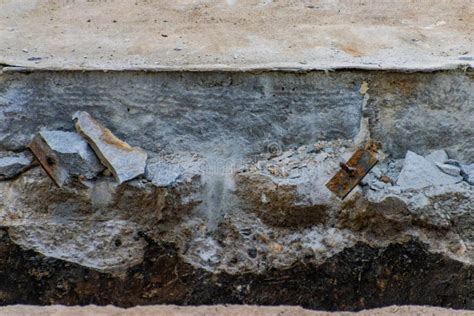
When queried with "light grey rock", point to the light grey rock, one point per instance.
{"points": [[449, 169], [376, 171], [65, 154], [176, 170], [125, 162], [12, 164], [437, 156], [105, 246], [467, 172], [377, 185], [418, 173], [163, 174]]}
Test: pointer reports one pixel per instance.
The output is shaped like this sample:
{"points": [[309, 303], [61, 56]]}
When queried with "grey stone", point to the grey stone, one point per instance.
{"points": [[453, 162], [437, 156], [12, 164], [449, 169], [467, 172], [376, 172], [125, 162], [377, 185], [163, 174], [65, 154], [418, 173]]}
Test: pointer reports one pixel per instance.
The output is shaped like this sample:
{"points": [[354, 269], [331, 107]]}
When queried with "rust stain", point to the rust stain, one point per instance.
{"points": [[111, 139], [353, 171], [353, 51]]}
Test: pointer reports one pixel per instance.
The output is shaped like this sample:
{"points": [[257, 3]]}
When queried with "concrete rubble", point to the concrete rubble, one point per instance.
{"points": [[213, 210], [125, 162], [278, 212], [418, 172], [12, 164], [64, 155]]}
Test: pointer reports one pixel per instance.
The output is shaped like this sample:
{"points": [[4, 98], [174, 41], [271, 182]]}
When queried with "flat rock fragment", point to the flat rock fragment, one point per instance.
{"points": [[65, 154], [163, 174], [467, 172], [124, 161], [437, 156], [13, 164], [418, 172], [449, 169]]}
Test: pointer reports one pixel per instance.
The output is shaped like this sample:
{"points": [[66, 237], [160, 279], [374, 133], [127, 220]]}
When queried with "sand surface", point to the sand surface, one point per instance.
{"points": [[236, 34], [229, 310]]}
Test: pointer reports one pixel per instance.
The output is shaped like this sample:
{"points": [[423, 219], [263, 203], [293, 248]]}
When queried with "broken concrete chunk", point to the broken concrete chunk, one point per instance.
{"points": [[13, 164], [125, 162], [65, 154], [437, 156], [418, 172], [163, 174], [449, 169]]}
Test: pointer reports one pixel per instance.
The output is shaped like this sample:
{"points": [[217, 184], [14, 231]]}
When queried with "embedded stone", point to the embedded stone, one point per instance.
{"points": [[163, 174], [64, 155], [124, 161], [13, 164], [437, 156], [101, 245], [418, 172], [467, 172], [449, 169]]}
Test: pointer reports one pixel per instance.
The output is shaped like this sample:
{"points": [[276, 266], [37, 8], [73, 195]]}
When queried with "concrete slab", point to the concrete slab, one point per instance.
{"points": [[237, 35]]}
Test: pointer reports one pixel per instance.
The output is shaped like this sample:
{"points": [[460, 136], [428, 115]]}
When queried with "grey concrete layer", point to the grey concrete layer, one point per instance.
{"points": [[234, 115], [236, 34]]}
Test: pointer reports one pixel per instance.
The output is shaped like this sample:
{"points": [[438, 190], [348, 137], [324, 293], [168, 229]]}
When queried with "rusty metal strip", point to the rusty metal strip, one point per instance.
{"points": [[352, 172], [48, 160]]}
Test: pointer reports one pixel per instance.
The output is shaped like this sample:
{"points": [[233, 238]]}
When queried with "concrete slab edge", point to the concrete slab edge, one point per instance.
{"points": [[285, 67]]}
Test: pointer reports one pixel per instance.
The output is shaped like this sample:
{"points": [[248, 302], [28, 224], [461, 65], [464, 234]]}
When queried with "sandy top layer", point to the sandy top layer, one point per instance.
{"points": [[216, 310], [236, 34]]}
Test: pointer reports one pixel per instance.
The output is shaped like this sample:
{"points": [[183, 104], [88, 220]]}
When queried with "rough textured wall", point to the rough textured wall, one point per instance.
{"points": [[232, 114], [232, 206]]}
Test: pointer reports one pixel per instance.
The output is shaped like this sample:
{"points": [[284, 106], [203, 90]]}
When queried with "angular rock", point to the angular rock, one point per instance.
{"points": [[437, 156], [449, 169], [418, 173], [65, 154], [125, 162], [163, 174], [13, 164], [467, 172]]}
